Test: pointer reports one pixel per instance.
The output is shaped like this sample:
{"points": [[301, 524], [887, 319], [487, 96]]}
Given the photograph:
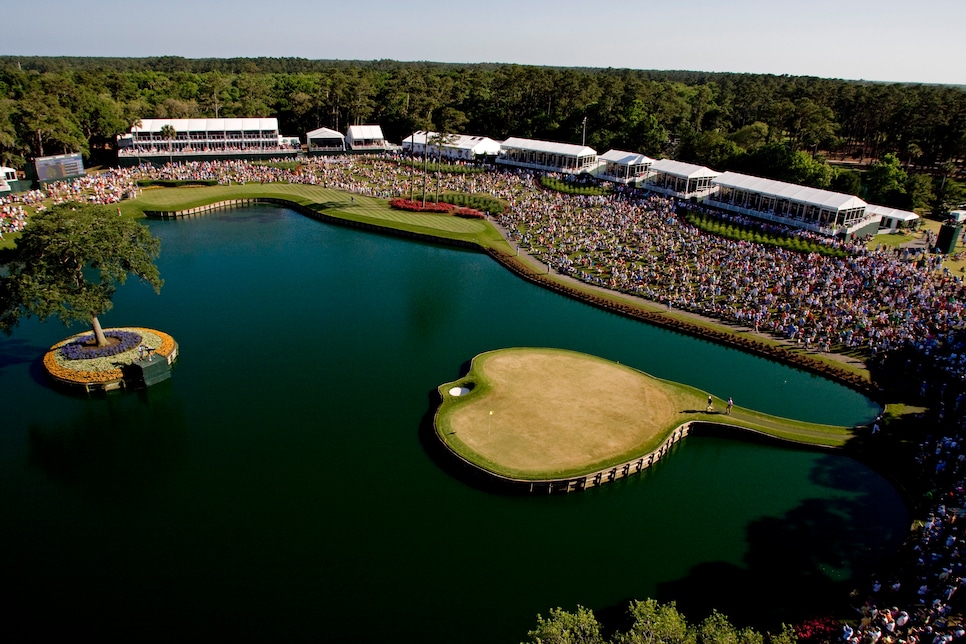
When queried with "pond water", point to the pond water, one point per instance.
{"points": [[283, 483]]}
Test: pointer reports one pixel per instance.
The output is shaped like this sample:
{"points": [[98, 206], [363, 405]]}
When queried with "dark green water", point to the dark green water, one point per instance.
{"points": [[280, 484]]}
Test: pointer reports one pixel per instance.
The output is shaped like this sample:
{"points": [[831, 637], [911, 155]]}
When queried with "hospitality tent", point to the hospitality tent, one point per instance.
{"points": [[547, 155], [624, 167], [891, 219], [787, 203], [463, 147], [365, 137], [679, 179], [325, 140]]}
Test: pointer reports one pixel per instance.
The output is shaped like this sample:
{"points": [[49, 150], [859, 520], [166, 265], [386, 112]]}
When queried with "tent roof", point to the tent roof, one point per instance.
{"points": [[791, 191], [208, 125], [886, 211], [568, 149], [683, 170], [625, 158], [460, 141], [365, 132], [324, 133]]}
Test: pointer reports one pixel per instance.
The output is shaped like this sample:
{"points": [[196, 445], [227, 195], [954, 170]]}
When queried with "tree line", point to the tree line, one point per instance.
{"points": [[783, 127]]}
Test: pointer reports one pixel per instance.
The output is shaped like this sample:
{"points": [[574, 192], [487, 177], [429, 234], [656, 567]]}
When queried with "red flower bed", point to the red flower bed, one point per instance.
{"points": [[435, 206], [417, 206], [819, 629]]}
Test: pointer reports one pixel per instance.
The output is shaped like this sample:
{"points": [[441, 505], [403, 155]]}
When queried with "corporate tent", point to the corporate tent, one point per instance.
{"points": [[7, 176], [891, 219], [465, 147], [624, 167], [325, 140], [365, 137], [547, 155], [679, 179], [787, 203]]}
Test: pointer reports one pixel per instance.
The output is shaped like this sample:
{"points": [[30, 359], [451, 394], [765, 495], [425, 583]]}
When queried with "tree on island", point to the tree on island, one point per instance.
{"points": [[68, 263]]}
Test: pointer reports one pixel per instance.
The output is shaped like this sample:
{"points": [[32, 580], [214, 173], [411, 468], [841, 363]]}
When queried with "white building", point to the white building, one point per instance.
{"points": [[7, 176], [891, 219], [547, 156], [789, 204], [462, 147], [366, 137], [624, 167], [200, 137], [325, 140], [679, 179]]}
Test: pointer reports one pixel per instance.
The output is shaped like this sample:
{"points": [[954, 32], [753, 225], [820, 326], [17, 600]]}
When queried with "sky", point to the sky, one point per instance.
{"points": [[876, 40]]}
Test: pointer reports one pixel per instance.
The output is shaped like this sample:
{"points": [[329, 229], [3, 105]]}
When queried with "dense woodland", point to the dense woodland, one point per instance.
{"points": [[798, 129]]}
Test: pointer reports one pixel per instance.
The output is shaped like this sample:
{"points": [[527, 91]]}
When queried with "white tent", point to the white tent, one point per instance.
{"points": [[890, 218], [325, 139], [457, 146], [547, 155], [6, 176], [365, 137], [684, 180], [624, 167], [787, 203]]}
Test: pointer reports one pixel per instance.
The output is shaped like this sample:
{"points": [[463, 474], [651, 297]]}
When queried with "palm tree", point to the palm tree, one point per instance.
{"points": [[169, 134]]}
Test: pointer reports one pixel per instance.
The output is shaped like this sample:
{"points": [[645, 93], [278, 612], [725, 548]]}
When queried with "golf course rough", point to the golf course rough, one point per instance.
{"points": [[569, 420]]}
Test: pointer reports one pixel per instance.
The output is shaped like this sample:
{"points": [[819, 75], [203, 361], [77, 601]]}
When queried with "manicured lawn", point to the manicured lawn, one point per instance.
{"points": [[537, 414], [334, 203]]}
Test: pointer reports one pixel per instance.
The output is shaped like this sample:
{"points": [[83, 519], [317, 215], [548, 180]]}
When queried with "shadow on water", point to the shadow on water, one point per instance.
{"points": [[17, 351], [118, 447], [815, 549]]}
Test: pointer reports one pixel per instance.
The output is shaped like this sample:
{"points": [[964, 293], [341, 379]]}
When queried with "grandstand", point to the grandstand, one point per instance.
{"points": [[821, 211], [198, 139], [547, 156]]}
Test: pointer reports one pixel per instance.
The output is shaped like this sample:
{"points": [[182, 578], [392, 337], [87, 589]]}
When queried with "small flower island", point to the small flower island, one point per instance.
{"points": [[134, 357]]}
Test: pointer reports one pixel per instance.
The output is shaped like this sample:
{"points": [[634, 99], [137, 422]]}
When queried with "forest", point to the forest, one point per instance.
{"points": [[901, 145]]}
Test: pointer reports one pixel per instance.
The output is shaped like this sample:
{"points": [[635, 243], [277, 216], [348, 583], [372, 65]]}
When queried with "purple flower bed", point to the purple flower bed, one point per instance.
{"points": [[77, 351]]}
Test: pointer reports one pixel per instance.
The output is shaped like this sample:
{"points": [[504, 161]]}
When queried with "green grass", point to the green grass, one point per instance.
{"points": [[552, 183], [466, 423], [728, 230], [445, 168], [331, 202]]}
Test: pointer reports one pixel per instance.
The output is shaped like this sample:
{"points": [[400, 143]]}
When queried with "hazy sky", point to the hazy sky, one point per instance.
{"points": [[884, 40]]}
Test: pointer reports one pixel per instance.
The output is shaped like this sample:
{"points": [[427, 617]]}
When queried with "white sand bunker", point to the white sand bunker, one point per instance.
{"points": [[459, 391]]}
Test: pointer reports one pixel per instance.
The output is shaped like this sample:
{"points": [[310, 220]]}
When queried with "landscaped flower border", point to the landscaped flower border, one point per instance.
{"points": [[102, 371], [435, 206]]}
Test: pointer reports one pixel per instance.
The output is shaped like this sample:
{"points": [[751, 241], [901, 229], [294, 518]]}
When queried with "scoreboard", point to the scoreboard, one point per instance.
{"points": [[63, 166]]}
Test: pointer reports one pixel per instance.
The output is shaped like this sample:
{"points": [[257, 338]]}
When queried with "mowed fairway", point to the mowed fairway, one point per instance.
{"points": [[543, 413]]}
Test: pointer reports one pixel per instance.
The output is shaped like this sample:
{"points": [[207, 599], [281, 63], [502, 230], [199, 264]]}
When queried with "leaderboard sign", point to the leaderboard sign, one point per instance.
{"points": [[62, 166]]}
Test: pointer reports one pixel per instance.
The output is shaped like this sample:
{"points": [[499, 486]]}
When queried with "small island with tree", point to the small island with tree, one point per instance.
{"points": [[67, 264]]}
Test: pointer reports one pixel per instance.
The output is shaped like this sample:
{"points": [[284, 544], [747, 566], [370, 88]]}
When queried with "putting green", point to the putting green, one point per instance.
{"points": [[547, 414]]}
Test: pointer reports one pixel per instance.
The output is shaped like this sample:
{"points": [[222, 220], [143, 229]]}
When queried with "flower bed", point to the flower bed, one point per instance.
{"points": [[104, 370], [81, 349], [436, 206]]}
